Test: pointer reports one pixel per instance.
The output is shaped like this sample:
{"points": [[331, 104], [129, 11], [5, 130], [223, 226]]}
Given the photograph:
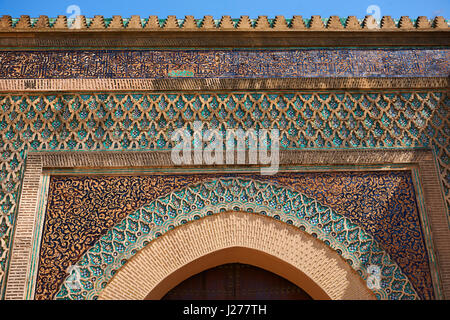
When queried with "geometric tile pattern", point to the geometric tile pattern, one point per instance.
{"points": [[125, 239], [216, 63], [143, 121]]}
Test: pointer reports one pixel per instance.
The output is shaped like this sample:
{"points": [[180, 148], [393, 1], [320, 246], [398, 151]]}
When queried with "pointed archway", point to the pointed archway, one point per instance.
{"points": [[231, 237]]}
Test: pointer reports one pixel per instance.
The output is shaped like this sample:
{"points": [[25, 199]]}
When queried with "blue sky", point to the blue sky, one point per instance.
{"points": [[234, 8]]}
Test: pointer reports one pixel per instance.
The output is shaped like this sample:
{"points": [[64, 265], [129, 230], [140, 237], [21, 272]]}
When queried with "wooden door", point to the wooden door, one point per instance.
{"points": [[236, 281]]}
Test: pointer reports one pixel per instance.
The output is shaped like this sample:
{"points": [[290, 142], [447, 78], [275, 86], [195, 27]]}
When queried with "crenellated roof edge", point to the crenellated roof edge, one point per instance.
{"points": [[226, 23]]}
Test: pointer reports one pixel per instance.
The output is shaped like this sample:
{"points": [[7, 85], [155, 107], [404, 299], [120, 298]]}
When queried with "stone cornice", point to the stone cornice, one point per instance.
{"points": [[226, 23], [225, 32]]}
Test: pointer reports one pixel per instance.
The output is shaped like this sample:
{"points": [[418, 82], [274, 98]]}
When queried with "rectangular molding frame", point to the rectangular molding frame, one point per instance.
{"points": [[39, 166]]}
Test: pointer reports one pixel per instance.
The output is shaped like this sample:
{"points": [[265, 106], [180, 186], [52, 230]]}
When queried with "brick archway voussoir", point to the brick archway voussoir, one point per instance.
{"points": [[242, 237]]}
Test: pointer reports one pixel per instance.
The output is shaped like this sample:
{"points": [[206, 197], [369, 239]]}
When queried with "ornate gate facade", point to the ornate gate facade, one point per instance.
{"points": [[93, 205]]}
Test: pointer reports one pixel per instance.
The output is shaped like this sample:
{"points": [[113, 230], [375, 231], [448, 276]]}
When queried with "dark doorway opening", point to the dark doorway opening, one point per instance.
{"points": [[236, 281]]}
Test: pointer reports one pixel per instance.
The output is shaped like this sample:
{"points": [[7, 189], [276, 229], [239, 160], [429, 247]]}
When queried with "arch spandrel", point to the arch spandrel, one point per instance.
{"points": [[358, 248]]}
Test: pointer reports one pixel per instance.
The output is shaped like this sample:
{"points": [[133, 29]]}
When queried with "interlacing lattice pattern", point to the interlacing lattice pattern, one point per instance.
{"points": [[133, 233], [112, 121]]}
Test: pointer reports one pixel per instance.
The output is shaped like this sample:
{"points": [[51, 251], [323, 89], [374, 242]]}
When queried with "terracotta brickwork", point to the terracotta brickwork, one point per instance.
{"points": [[440, 227], [25, 228], [309, 257], [162, 85]]}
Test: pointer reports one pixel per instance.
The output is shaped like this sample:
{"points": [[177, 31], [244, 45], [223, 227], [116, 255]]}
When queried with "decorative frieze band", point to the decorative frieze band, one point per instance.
{"points": [[223, 64], [190, 84]]}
